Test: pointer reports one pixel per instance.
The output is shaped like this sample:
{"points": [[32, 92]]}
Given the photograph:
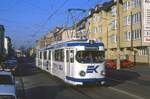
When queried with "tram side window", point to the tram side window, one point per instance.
{"points": [[49, 55], [67, 56], [40, 55], [45, 55], [59, 55], [71, 56]]}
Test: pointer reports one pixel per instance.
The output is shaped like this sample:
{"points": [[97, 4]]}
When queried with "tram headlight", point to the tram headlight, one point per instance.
{"points": [[103, 73], [82, 73]]}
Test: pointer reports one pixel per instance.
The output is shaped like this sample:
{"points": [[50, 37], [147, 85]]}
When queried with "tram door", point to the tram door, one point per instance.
{"points": [[69, 61]]}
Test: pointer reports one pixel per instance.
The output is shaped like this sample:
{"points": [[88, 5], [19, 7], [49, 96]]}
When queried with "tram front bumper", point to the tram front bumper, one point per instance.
{"points": [[85, 80]]}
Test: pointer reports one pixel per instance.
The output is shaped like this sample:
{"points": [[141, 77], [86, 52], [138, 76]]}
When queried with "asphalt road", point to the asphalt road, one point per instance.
{"points": [[124, 84]]}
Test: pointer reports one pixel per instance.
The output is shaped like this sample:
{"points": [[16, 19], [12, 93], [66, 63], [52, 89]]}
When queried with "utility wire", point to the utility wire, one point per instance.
{"points": [[51, 15]]}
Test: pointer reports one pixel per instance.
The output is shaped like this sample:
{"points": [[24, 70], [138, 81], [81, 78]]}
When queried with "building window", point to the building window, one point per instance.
{"points": [[142, 51], [127, 20], [114, 11], [136, 3], [113, 38], [95, 18], [127, 36], [113, 24], [95, 30], [126, 5], [146, 33], [136, 34], [100, 29], [136, 18]]}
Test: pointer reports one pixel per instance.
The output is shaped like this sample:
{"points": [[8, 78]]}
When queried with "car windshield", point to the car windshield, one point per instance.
{"points": [[9, 64], [7, 97], [90, 56], [5, 79]]}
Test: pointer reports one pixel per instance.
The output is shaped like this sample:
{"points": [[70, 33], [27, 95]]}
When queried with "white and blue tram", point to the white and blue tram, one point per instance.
{"points": [[75, 62]]}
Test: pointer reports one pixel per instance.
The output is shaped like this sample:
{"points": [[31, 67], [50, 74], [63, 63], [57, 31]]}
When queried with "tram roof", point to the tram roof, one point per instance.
{"points": [[75, 43]]}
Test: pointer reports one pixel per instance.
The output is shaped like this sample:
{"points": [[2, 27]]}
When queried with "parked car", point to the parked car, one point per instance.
{"points": [[6, 78], [126, 63], [10, 65], [7, 86], [110, 64], [7, 92]]}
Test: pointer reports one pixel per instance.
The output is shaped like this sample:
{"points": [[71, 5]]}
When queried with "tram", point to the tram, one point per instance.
{"points": [[75, 62]]}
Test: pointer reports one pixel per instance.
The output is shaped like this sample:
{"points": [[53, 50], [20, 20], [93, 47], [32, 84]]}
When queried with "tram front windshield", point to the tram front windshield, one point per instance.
{"points": [[90, 56]]}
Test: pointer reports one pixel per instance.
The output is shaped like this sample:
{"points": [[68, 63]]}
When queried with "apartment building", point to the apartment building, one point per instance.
{"points": [[8, 45], [132, 30], [2, 30], [103, 25]]}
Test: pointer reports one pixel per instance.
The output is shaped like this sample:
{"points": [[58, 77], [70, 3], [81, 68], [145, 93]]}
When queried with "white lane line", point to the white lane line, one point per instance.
{"points": [[125, 92]]}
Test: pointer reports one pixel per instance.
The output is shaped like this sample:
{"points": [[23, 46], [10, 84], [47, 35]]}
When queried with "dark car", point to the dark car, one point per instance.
{"points": [[10, 65]]}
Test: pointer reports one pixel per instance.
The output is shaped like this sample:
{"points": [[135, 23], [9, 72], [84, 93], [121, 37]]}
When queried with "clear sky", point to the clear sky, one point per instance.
{"points": [[26, 21]]}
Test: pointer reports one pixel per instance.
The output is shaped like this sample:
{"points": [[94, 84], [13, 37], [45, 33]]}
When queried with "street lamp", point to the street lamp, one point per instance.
{"points": [[118, 35]]}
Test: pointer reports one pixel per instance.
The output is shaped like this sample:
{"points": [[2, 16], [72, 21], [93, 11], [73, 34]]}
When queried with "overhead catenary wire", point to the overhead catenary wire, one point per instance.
{"points": [[52, 14]]}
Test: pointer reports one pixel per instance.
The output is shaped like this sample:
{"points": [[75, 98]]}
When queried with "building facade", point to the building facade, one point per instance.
{"points": [[103, 25], [2, 30], [8, 46]]}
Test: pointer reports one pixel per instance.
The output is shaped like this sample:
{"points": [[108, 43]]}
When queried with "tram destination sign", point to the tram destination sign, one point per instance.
{"points": [[91, 48], [146, 20]]}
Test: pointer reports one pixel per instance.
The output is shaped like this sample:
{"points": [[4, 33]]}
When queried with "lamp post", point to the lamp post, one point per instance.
{"points": [[118, 35]]}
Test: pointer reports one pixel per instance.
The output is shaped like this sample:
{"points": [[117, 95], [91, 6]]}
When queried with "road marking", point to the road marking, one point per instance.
{"points": [[125, 92]]}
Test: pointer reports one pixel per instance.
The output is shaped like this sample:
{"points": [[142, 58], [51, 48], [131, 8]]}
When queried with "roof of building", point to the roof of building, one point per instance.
{"points": [[102, 7]]}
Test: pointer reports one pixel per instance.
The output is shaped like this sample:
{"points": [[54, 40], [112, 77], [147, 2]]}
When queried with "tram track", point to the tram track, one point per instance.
{"points": [[94, 91]]}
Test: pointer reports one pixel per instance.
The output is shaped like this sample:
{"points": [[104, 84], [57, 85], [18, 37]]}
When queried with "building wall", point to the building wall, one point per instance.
{"points": [[68, 34], [109, 31], [1, 39], [6, 45]]}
